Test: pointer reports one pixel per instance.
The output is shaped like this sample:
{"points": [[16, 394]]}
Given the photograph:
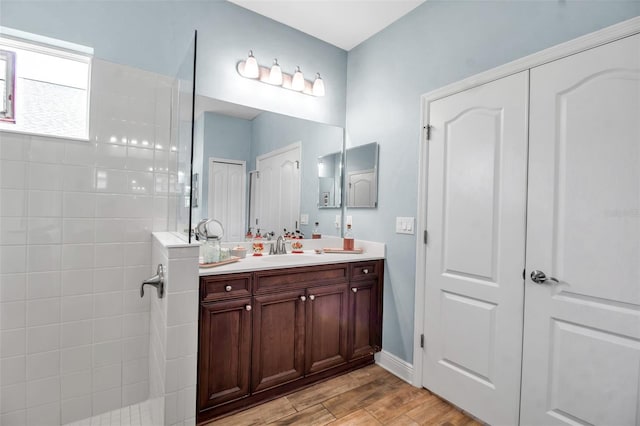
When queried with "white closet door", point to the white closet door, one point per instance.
{"points": [[581, 360], [475, 251]]}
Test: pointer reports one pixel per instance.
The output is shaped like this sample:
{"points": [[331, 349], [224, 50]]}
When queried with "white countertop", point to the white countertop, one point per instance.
{"points": [[372, 251]]}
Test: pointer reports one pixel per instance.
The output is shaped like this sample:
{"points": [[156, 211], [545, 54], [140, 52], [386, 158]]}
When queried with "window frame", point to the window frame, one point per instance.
{"points": [[9, 114]]}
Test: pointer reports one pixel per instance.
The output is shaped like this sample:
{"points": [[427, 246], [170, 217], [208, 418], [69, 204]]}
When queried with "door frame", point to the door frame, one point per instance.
{"points": [[210, 182], [589, 41]]}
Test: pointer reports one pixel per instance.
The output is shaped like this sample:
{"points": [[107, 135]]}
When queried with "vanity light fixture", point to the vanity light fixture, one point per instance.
{"points": [[250, 68]]}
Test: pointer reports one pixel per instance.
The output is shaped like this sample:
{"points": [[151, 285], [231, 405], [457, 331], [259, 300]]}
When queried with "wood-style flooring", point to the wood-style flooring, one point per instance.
{"points": [[368, 396]]}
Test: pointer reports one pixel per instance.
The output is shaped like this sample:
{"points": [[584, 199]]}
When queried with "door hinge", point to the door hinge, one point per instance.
{"points": [[427, 129], [425, 236], [422, 340], [297, 165]]}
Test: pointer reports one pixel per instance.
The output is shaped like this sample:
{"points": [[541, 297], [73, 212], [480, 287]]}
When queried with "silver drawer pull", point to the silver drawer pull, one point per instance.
{"points": [[312, 297], [247, 307], [365, 271], [303, 298], [227, 288], [355, 290]]}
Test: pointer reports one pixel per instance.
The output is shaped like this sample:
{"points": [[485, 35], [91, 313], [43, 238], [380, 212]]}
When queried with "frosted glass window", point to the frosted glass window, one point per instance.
{"points": [[51, 90]]}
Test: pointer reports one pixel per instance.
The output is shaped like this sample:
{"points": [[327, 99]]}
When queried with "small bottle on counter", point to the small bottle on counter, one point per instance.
{"points": [[348, 242], [316, 232]]}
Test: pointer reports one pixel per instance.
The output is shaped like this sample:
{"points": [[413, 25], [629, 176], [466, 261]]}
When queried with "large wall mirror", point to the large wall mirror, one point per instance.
{"points": [[261, 170], [361, 176]]}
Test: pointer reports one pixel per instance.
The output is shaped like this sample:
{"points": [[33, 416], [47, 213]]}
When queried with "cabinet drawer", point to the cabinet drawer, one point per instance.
{"points": [[366, 270], [297, 278], [219, 287]]}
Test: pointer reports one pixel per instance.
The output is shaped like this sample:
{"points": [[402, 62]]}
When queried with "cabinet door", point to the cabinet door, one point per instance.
{"points": [[225, 344], [364, 337], [326, 331], [278, 339]]}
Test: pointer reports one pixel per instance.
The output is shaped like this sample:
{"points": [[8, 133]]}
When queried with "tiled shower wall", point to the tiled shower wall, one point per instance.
{"points": [[75, 242]]}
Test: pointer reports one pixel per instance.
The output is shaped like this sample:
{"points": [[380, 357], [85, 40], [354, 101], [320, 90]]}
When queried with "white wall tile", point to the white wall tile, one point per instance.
{"points": [[44, 415], [111, 156], [13, 397], [135, 324], [43, 365], [106, 329], [78, 204], [45, 176], [41, 392], [14, 146], [46, 150], [43, 258], [182, 308], [12, 315], [13, 259], [45, 203], [78, 231], [137, 254], [15, 418], [76, 308], [134, 275], [13, 342], [75, 359], [138, 206], [109, 255], [134, 348], [78, 178], [75, 409], [107, 400], [80, 153], [135, 393], [13, 287], [111, 181], [43, 339], [75, 384], [13, 231], [14, 202], [111, 205], [13, 174], [76, 333], [138, 230], [181, 274], [182, 340], [109, 230], [107, 304], [77, 282], [107, 353], [43, 285], [45, 230], [133, 303], [135, 371], [108, 280], [107, 377], [43, 312], [77, 256], [13, 370]]}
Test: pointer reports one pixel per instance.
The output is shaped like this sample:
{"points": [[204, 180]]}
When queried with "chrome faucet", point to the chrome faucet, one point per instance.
{"points": [[281, 247]]}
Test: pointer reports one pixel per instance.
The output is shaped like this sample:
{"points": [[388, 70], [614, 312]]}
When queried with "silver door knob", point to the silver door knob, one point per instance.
{"points": [[303, 298], [312, 297], [355, 290], [540, 277], [227, 288], [248, 307]]}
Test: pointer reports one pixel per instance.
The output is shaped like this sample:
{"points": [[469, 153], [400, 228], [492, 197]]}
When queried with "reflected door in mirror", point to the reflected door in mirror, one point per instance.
{"points": [[227, 196]]}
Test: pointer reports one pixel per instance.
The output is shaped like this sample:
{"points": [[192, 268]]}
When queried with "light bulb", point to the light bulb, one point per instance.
{"points": [[275, 75], [297, 83], [251, 69], [318, 86]]}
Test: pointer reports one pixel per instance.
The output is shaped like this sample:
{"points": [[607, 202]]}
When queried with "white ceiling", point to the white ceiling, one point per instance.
{"points": [[343, 23]]}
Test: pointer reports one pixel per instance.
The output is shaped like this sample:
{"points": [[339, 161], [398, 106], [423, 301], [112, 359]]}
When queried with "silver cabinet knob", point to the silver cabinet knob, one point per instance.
{"points": [[365, 271], [247, 307], [312, 297], [540, 277], [355, 290], [227, 288], [303, 298]]}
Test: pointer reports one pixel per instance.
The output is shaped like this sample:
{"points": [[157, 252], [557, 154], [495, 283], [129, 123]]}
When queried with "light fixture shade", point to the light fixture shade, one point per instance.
{"points": [[275, 75], [318, 86], [251, 69], [297, 82]]}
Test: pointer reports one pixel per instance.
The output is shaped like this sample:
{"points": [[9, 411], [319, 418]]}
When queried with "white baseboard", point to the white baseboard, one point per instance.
{"points": [[395, 366]]}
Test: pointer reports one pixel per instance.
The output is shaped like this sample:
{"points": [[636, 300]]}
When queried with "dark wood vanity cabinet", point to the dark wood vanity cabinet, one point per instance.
{"points": [[299, 325]]}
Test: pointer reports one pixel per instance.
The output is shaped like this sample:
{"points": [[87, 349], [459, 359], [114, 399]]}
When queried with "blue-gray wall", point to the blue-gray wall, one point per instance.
{"points": [[438, 43], [154, 36]]}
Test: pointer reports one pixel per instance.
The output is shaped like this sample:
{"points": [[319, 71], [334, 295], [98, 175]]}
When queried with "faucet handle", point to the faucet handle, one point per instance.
{"points": [[271, 249]]}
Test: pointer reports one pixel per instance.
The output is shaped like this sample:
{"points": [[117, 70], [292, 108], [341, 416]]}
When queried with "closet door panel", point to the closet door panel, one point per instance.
{"points": [[581, 361]]}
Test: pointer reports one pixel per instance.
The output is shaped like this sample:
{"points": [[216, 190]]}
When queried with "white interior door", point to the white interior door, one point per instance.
{"points": [[581, 360], [362, 188], [279, 189], [226, 200], [475, 251]]}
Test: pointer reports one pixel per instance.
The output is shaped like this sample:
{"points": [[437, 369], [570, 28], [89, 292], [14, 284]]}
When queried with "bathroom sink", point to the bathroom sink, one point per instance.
{"points": [[287, 258]]}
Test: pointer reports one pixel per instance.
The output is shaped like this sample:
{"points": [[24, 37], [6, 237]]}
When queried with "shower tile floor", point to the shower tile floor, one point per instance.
{"points": [[133, 415]]}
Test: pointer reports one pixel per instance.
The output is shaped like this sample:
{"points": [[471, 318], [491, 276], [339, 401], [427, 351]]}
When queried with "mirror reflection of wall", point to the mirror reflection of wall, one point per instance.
{"points": [[234, 135], [361, 176], [330, 180]]}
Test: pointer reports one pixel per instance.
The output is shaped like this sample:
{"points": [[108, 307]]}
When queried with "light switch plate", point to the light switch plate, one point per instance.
{"points": [[405, 225], [304, 219], [337, 222]]}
